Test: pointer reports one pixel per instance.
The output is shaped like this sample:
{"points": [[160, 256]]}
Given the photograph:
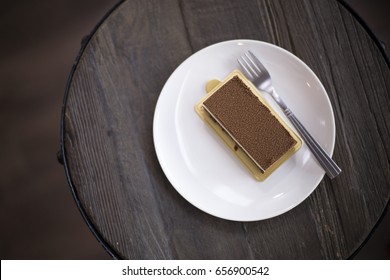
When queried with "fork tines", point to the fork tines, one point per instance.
{"points": [[251, 65]]}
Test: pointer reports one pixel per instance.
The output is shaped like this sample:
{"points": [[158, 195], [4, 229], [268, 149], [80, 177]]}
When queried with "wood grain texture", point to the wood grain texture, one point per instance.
{"points": [[108, 116]]}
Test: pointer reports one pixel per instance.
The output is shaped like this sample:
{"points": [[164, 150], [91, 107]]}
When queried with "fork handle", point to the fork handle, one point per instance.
{"points": [[330, 167]]}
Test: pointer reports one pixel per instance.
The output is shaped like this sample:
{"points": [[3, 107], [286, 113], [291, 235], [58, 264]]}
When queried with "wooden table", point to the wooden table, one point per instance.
{"points": [[107, 139]]}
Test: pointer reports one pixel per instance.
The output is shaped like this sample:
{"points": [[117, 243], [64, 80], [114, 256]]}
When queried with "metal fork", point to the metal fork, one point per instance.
{"points": [[261, 78]]}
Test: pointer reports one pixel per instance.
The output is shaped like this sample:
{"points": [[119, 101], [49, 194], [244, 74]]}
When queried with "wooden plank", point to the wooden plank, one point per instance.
{"points": [[108, 107]]}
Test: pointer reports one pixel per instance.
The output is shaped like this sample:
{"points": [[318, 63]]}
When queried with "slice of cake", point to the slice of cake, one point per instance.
{"points": [[241, 113]]}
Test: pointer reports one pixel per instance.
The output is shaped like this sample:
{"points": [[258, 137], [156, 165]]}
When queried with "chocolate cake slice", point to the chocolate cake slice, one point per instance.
{"points": [[249, 123]]}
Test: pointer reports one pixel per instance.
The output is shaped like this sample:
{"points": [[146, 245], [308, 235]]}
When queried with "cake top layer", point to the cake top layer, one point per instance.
{"points": [[249, 122]]}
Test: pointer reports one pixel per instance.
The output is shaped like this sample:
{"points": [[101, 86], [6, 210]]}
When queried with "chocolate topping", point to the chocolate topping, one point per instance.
{"points": [[249, 122]]}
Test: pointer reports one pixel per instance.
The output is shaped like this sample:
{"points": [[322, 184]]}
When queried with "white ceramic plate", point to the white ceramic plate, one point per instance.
{"points": [[199, 165]]}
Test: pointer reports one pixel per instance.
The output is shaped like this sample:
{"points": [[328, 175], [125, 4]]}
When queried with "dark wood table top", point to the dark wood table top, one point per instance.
{"points": [[107, 130]]}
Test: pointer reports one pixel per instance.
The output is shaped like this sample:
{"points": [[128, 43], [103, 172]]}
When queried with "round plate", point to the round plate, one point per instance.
{"points": [[199, 165]]}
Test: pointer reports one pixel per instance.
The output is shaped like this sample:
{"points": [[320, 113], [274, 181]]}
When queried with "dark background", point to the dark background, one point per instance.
{"points": [[39, 43]]}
